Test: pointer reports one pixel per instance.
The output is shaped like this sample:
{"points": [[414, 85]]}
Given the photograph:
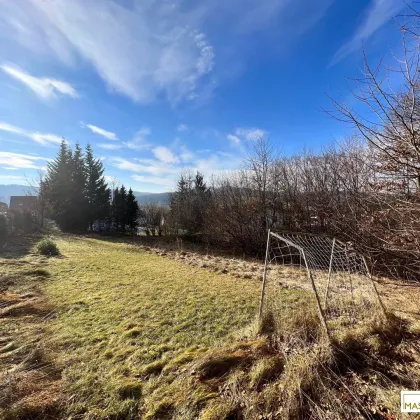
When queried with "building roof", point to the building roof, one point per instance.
{"points": [[23, 202]]}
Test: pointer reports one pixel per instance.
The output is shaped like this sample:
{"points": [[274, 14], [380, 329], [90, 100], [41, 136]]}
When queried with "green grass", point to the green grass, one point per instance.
{"points": [[108, 330], [126, 316]]}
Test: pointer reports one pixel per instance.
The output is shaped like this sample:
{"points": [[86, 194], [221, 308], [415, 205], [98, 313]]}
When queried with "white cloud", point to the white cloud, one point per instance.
{"points": [[186, 155], [148, 166], [140, 140], [109, 146], [205, 62], [164, 174], [182, 127], [20, 161], [378, 14], [234, 139], [12, 179], [12, 129], [216, 163], [44, 139], [250, 134], [165, 155], [141, 50], [246, 135], [167, 182], [148, 49], [43, 87], [98, 130]]}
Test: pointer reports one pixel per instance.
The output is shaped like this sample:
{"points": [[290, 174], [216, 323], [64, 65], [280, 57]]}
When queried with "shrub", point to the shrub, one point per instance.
{"points": [[47, 246]]}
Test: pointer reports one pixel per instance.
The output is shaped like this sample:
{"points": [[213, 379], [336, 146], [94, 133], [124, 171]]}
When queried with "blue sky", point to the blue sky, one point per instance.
{"points": [[156, 86]]}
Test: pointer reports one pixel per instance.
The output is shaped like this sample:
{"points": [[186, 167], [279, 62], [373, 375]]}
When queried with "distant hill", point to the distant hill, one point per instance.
{"points": [[6, 191], [159, 198]]}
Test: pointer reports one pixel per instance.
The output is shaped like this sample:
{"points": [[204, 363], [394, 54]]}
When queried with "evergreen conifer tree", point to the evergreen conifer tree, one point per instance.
{"points": [[78, 203], [57, 186], [132, 211], [122, 208], [97, 191]]}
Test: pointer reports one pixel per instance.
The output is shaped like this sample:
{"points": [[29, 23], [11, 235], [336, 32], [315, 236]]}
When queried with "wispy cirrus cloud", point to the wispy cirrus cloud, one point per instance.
{"points": [[182, 127], [43, 87], [140, 141], [142, 50], [165, 155], [251, 134], [12, 161], [7, 179], [102, 132], [378, 14], [147, 166], [110, 146], [147, 50], [12, 129], [242, 135], [43, 139], [166, 182], [165, 168], [234, 139]]}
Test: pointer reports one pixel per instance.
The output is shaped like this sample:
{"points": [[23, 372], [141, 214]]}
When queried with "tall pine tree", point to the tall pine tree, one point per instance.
{"points": [[78, 202], [115, 222], [132, 211], [97, 192], [58, 185], [75, 189], [122, 208]]}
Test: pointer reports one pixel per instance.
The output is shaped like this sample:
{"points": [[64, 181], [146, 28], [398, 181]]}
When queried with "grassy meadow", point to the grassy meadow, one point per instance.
{"points": [[109, 330], [119, 323], [126, 315]]}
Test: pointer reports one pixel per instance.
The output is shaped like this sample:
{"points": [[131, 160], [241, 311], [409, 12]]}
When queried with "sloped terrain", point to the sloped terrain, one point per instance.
{"points": [[113, 330]]}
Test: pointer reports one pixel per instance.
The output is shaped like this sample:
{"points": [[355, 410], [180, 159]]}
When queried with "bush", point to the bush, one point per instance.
{"points": [[47, 246]]}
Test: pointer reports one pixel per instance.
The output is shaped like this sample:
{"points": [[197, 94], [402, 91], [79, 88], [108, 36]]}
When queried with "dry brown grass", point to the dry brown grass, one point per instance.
{"points": [[30, 380], [131, 348], [359, 376]]}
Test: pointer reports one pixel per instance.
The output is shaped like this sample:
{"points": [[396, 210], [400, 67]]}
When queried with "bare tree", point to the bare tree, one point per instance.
{"points": [[152, 219], [37, 188], [389, 209]]}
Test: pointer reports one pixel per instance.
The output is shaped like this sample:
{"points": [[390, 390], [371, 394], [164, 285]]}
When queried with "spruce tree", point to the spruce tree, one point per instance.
{"points": [[115, 222], [57, 187], [200, 202], [122, 208], [97, 191], [78, 203], [132, 211]]}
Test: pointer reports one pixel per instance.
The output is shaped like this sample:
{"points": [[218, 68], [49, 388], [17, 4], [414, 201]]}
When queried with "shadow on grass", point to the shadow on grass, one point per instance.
{"points": [[18, 246]]}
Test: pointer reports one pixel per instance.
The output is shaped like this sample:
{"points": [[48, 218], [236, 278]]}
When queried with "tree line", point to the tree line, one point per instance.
{"points": [[364, 190], [75, 194]]}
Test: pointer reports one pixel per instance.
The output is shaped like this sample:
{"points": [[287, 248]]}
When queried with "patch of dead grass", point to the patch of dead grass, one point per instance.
{"points": [[321, 379], [30, 381]]}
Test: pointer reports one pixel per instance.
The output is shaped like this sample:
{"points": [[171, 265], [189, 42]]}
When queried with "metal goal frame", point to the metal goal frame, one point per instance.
{"points": [[311, 261]]}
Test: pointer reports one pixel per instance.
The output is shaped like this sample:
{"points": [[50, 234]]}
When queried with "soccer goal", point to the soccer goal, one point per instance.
{"points": [[305, 272]]}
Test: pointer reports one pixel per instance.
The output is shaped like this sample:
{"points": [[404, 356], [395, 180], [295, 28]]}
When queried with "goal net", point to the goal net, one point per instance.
{"points": [[308, 278]]}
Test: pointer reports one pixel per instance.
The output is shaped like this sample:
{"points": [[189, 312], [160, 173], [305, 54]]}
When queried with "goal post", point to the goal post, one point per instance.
{"points": [[337, 276]]}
